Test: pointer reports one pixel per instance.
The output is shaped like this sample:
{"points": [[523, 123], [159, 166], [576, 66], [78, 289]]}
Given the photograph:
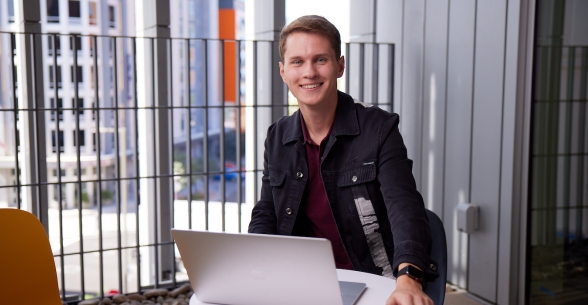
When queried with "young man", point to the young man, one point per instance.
{"points": [[338, 169]]}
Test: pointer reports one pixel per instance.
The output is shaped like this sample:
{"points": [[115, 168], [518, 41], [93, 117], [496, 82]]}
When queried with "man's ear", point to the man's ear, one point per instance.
{"points": [[341, 64], [282, 71]]}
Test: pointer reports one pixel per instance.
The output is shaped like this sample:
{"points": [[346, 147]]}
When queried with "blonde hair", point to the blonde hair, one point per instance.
{"points": [[311, 24]]}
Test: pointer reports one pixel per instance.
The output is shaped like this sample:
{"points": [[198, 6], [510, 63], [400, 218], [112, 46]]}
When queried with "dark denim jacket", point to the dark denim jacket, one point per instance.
{"points": [[364, 154]]}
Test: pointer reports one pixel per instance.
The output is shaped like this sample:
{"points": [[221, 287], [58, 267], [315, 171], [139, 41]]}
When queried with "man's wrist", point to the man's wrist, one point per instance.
{"points": [[411, 273]]}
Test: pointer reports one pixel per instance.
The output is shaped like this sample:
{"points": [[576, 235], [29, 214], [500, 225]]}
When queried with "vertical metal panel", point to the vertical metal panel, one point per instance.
{"points": [[347, 65], [509, 216], [434, 99], [514, 107], [487, 145], [412, 86], [189, 108], [78, 185], [361, 74], [96, 110], [117, 165], [31, 99], [223, 181], [137, 165], [460, 67], [521, 162], [238, 131], [205, 167]]}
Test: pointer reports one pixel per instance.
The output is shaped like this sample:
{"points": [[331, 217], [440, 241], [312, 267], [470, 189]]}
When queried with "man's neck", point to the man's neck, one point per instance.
{"points": [[319, 120]]}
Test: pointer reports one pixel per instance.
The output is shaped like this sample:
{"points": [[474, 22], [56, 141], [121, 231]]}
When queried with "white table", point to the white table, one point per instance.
{"points": [[377, 291]]}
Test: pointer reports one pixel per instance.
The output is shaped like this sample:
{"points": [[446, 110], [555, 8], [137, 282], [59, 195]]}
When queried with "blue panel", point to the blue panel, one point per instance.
{"points": [[226, 4]]}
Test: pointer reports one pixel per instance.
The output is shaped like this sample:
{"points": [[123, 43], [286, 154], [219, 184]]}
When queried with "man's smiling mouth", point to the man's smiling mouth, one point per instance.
{"points": [[310, 86]]}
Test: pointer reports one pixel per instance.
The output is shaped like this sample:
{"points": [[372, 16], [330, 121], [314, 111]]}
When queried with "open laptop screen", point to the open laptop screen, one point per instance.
{"points": [[258, 269]]}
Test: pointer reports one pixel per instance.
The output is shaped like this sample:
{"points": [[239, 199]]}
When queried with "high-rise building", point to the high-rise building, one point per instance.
{"points": [[75, 85]]}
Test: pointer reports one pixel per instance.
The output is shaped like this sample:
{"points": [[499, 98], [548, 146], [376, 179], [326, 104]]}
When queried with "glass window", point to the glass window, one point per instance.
{"points": [[59, 106], [74, 9], [93, 110], [77, 39], [15, 76], [91, 38], [80, 105], [111, 16], [10, 11], [51, 76], [79, 75], [93, 13], [53, 144], [81, 138], [557, 239], [53, 39], [52, 10]]}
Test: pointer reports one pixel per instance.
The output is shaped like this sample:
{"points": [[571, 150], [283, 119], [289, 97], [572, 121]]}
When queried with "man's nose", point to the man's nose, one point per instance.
{"points": [[309, 70]]}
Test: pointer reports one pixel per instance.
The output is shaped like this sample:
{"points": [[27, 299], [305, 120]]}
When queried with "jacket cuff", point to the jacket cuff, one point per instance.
{"points": [[414, 253]]}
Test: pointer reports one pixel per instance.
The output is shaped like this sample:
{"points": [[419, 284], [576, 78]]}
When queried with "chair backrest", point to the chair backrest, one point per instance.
{"points": [[27, 267], [436, 290]]}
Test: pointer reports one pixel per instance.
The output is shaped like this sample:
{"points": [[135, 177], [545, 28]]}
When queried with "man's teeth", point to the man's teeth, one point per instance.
{"points": [[310, 86]]}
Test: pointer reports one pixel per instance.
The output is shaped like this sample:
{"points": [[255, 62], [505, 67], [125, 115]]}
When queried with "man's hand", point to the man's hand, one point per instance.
{"points": [[408, 292]]}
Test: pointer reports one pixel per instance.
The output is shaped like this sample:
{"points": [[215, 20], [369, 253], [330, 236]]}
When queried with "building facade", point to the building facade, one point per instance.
{"points": [[72, 33]]}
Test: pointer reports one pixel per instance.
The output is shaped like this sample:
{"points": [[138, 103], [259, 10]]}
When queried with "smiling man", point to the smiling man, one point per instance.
{"points": [[338, 169]]}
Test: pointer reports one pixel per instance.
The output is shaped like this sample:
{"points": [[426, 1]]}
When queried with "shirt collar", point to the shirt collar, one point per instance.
{"points": [[306, 134]]}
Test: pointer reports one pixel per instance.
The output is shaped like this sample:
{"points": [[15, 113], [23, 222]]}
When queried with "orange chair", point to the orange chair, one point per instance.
{"points": [[27, 268]]}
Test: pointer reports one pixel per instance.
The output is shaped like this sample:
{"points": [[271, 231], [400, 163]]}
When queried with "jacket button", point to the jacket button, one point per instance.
{"points": [[354, 178], [299, 175], [432, 267], [289, 211]]}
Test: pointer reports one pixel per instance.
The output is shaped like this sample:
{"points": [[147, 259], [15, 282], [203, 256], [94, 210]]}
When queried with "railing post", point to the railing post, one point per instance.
{"points": [[267, 101], [155, 149], [33, 164]]}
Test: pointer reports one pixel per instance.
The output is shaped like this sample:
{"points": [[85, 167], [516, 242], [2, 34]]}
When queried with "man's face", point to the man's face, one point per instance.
{"points": [[311, 68]]}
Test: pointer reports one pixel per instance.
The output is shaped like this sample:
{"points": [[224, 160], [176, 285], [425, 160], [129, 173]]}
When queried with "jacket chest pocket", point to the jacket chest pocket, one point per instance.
{"points": [[356, 178], [362, 173], [277, 179]]}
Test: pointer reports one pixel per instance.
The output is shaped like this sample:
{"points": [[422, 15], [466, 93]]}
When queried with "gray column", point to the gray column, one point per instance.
{"points": [[265, 87], [269, 18], [155, 141], [33, 166]]}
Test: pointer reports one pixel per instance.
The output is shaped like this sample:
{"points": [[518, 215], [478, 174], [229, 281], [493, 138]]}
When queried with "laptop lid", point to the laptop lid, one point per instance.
{"points": [[255, 269]]}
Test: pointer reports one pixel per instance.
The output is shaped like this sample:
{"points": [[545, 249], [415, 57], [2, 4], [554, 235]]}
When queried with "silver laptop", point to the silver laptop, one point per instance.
{"points": [[255, 269]]}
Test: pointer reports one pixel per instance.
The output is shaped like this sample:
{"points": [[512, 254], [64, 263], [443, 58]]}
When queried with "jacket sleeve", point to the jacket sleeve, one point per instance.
{"points": [[263, 215], [404, 204]]}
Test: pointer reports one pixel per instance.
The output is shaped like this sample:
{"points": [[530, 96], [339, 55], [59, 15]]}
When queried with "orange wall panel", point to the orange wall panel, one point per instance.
{"points": [[227, 30]]}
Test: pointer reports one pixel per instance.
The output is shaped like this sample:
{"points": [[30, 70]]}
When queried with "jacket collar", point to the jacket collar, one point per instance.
{"points": [[345, 122]]}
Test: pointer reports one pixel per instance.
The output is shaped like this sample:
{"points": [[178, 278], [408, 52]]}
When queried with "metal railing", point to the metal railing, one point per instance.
{"points": [[100, 194]]}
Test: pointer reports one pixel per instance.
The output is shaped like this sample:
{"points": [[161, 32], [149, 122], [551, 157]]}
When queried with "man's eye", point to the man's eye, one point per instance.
{"points": [[296, 62], [321, 60]]}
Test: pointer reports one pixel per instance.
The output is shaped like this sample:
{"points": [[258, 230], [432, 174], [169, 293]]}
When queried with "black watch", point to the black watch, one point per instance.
{"points": [[412, 272]]}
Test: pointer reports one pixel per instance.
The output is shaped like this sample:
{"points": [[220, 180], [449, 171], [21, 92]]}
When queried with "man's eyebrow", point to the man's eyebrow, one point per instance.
{"points": [[314, 56]]}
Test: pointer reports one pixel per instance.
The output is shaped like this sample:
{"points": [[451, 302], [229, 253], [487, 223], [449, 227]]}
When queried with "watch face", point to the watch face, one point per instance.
{"points": [[412, 272]]}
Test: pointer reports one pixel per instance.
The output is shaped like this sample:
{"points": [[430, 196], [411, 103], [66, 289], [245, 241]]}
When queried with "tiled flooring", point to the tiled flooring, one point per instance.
{"points": [[460, 297]]}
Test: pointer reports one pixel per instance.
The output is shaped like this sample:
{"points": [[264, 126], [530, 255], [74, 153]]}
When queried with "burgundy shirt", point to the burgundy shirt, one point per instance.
{"points": [[318, 209]]}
